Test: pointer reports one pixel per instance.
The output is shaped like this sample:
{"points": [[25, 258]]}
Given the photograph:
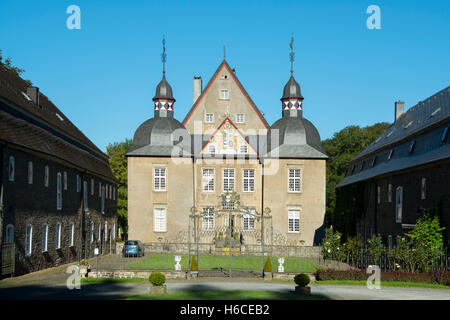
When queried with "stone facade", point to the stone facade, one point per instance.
{"points": [[226, 131]]}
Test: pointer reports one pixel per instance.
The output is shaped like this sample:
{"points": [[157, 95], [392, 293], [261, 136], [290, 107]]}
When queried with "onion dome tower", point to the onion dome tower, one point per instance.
{"points": [[159, 135], [297, 136]]}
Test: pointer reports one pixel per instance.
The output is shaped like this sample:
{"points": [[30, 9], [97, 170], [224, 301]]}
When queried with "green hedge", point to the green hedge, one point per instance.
{"points": [[435, 277]]}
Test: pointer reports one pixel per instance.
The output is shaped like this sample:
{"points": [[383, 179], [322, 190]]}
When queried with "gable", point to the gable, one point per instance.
{"points": [[228, 139], [238, 102]]}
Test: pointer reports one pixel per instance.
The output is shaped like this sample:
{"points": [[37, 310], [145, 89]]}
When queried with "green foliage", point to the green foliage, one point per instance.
{"points": [[118, 162], [331, 245], [194, 264], [157, 278], [301, 280], [268, 265], [341, 148], [7, 63], [376, 248]]}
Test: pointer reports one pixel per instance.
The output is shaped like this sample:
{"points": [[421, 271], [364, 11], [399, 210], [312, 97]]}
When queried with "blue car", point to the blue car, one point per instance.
{"points": [[134, 248]]}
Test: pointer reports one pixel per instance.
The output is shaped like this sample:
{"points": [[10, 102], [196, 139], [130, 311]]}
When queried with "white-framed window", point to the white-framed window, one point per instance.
{"points": [[208, 179], [212, 149], [294, 220], [78, 183], [294, 180], [249, 221], [423, 189], [44, 237], [92, 187], [9, 237], [30, 172], [110, 192], [390, 192], [398, 204], [106, 192], [99, 189], [11, 168], [378, 194], [72, 233], [209, 117], [85, 195], [228, 180], [159, 215], [240, 118], [46, 176], [160, 179], [208, 219], [224, 94], [114, 231], [106, 231], [243, 148], [103, 200], [114, 193], [58, 191], [28, 240], [91, 234], [249, 180], [58, 236], [65, 180], [99, 231]]}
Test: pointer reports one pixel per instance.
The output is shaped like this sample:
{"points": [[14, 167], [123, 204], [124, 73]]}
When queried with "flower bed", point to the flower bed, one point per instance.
{"points": [[436, 277]]}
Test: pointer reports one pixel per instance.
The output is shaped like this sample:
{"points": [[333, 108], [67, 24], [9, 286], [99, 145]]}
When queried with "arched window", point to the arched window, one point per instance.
{"points": [[72, 233], [92, 232], [58, 236], [58, 191], [9, 237], [44, 237], [28, 239], [11, 171], [30, 172]]}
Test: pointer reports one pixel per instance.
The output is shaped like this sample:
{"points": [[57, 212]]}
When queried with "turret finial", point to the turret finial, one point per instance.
{"points": [[292, 54], [163, 55]]}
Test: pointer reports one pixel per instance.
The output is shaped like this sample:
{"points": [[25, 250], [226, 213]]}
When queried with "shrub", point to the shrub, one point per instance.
{"points": [[301, 280], [84, 262], [194, 265], [436, 276], [157, 278], [268, 265]]}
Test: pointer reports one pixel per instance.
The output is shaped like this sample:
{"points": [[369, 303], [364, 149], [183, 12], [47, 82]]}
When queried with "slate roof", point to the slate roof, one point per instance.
{"points": [[298, 138], [45, 128], [414, 139]]}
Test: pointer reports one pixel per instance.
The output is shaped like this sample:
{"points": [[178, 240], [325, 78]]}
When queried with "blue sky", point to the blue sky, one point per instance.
{"points": [[104, 76]]}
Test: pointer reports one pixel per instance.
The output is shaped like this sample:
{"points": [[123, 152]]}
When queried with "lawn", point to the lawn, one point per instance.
{"points": [[211, 262], [383, 284], [226, 295]]}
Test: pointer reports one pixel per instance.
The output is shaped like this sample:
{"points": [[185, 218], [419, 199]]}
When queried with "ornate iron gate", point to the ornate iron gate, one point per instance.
{"points": [[229, 229]]}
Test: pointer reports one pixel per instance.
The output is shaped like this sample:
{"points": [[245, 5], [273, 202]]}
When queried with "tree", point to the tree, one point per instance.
{"points": [[341, 148], [8, 65], [118, 162]]}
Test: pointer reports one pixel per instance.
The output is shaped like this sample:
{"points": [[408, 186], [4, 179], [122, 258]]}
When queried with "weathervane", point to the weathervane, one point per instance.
{"points": [[163, 55], [292, 54]]}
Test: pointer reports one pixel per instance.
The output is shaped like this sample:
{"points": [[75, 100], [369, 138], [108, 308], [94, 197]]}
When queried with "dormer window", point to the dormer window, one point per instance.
{"points": [[224, 94]]}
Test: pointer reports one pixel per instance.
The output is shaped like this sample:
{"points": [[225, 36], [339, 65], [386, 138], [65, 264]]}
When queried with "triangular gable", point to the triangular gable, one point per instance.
{"points": [[237, 138], [224, 64]]}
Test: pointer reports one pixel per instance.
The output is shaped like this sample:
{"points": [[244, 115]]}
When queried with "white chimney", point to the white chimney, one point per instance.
{"points": [[399, 109], [197, 88]]}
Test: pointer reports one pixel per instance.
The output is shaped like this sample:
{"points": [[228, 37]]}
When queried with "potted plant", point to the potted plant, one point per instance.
{"points": [[84, 267], [302, 280], [268, 269], [157, 280], [194, 267]]}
